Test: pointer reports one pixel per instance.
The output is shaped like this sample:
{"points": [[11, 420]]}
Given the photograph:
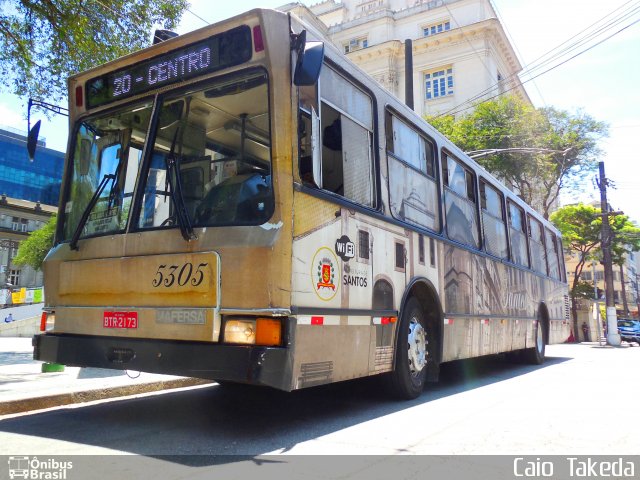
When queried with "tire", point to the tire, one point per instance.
{"points": [[535, 355], [412, 353]]}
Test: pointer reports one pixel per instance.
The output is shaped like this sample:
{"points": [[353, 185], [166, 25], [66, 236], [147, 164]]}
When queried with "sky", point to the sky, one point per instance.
{"points": [[604, 82]]}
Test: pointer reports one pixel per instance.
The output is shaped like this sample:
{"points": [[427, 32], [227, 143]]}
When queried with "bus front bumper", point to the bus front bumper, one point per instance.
{"points": [[267, 366]]}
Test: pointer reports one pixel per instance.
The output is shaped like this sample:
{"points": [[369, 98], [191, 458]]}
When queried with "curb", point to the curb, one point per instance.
{"points": [[49, 401]]}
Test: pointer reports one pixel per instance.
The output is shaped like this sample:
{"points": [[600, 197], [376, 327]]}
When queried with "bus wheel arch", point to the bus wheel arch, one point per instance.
{"points": [[420, 321]]}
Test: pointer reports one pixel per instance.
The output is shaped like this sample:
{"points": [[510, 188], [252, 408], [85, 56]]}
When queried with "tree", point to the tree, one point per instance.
{"points": [[33, 250], [580, 226], [44, 42], [568, 146]]}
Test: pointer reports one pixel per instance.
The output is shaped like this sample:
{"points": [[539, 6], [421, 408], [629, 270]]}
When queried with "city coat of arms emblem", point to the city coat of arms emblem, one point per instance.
{"points": [[324, 273]]}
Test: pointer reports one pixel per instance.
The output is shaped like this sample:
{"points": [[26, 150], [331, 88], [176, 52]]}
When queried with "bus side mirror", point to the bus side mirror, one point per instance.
{"points": [[309, 62], [32, 140]]}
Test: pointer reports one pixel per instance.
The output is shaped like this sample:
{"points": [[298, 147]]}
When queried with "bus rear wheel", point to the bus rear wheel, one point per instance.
{"points": [[535, 355], [412, 353]]}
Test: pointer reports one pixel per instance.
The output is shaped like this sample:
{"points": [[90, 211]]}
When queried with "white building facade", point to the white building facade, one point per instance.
{"points": [[460, 49]]}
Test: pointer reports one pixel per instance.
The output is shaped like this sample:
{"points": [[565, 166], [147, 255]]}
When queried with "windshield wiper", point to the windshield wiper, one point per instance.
{"points": [[88, 208], [175, 188]]}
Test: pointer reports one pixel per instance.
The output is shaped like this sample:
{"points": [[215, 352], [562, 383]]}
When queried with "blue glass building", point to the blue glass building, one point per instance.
{"points": [[37, 181]]}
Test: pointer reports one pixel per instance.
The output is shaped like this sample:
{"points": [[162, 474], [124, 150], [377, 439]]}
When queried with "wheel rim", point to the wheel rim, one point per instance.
{"points": [[417, 347], [539, 339]]}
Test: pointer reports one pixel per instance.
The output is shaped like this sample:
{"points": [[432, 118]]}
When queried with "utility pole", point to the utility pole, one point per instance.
{"points": [[596, 304], [613, 337]]}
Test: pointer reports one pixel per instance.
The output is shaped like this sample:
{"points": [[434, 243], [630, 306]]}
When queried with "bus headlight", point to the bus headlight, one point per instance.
{"points": [[255, 331], [240, 331]]}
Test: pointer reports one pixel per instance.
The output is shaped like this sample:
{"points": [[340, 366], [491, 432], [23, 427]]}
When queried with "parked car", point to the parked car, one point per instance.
{"points": [[629, 330]]}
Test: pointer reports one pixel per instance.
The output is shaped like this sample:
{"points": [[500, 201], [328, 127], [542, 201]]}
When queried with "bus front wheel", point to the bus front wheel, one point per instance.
{"points": [[412, 353]]}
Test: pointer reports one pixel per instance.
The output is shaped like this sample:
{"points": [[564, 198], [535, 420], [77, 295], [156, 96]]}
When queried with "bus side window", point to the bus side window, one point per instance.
{"points": [[308, 101], [460, 202], [306, 149], [346, 135], [553, 255], [536, 244], [519, 253], [493, 224], [413, 188]]}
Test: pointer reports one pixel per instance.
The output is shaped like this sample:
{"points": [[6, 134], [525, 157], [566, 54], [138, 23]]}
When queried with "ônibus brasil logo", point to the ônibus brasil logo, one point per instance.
{"points": [[35, 469]]}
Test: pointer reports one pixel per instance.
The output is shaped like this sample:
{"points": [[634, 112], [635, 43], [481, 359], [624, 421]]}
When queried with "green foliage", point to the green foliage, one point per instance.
{"points": [[33, 250], [44, 42], [509, 123], [582, 290], [581, 227]]}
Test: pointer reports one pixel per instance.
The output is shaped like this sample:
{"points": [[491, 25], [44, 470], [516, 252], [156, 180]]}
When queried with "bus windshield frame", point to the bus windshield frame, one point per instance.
{"points": [[198, 155]]}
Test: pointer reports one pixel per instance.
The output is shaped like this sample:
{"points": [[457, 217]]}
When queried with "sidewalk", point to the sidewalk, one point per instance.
{"points": [[23, 387]]}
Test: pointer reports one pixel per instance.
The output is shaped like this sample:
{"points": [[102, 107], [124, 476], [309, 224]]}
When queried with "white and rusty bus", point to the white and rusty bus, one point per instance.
{"points": [[243, 204]]}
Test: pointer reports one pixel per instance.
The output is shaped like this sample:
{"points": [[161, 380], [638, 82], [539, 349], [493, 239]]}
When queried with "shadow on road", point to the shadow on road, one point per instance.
{"points": [[218, 424]]}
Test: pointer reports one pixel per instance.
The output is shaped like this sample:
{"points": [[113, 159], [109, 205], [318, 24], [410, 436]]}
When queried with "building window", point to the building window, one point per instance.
{"points": [[438, 83], [14, 277], [436, 28], [367, 6], [356, 44], [421, 249], [19, 224], [500, 80]]}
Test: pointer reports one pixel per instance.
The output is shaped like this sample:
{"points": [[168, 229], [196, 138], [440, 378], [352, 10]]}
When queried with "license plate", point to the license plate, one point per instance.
{"points": [[120, 320]]}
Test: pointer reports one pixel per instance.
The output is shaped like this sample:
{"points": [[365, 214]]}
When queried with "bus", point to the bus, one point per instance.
{"points": [[243, 204]]}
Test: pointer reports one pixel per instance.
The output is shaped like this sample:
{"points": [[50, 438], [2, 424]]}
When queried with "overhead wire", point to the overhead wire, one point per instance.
{"points": [[583, 37], [457, 109], [515, 46], [531, 69], [198, 16], [453, 19]]}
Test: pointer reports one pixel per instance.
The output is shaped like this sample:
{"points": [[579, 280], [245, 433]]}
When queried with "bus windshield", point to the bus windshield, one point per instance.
{"points": [[217, 136], [210, 160], [108, 149]]}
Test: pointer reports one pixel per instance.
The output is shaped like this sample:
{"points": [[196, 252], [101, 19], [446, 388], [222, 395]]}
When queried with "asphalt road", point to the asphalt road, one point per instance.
{"points": [[576, 403]]}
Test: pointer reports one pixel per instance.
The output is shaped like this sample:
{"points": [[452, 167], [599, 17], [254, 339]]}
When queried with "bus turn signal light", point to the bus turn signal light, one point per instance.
{"points": [[268, 332]]}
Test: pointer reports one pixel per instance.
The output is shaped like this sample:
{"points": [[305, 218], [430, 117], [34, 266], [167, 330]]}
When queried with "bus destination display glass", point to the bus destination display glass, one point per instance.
{"points": [[217, 52]]}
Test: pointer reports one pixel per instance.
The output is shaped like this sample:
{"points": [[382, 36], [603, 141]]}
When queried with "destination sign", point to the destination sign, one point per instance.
{"points": [[215, 53]]}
